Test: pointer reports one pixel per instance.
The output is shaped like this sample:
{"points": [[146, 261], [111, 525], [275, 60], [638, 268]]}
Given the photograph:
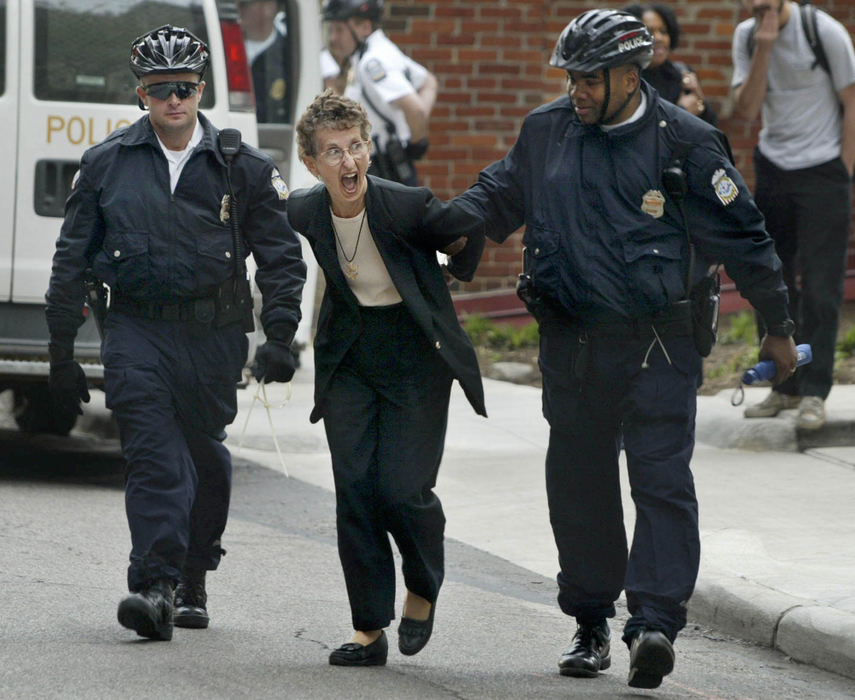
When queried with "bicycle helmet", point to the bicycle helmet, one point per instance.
{"points": [[342, 10], [169, 49], [601, 39]]}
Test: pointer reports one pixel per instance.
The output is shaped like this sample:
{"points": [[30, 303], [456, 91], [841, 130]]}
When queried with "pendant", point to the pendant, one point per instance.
{"points": [[351, 270]]}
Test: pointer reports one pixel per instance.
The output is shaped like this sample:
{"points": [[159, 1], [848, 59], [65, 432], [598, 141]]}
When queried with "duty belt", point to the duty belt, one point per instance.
{"points": [[196, 310], [222, 306], [674, 321]]}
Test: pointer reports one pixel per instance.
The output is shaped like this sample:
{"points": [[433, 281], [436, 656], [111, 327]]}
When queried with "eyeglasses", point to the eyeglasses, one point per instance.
{"points": [[334, 156], [181, 88]]}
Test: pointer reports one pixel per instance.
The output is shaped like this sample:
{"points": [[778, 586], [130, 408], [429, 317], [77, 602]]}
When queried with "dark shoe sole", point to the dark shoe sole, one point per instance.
{"points": [[652, 662], [413, 635], [344, 660], [585, 672], [135, 614], [192, 618]]}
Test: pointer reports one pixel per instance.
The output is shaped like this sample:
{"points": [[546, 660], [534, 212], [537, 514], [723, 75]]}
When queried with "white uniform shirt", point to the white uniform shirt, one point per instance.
{"points": [[801, 115], [177, 159], [385, 74]]}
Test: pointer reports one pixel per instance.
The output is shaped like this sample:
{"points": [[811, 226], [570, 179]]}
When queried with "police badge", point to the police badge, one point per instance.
{"points": [[279, 184], [653, 203], [725, 188]]}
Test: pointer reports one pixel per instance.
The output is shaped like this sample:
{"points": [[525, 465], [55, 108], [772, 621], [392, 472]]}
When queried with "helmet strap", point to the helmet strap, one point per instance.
{"points": [[608, 97]]}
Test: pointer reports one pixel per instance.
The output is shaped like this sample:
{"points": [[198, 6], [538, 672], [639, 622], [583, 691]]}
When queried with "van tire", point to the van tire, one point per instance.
{"points": [[35, 412]]}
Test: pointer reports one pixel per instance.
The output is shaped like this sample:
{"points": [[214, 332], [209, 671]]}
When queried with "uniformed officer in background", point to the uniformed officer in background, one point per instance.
{"points": [[397, 92], [608, 278], [149, 212], [267, 50]]}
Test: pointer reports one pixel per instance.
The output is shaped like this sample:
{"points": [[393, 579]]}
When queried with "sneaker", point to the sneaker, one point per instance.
{"points": [[651, 657], [589, 653], [772, 405], [811, 413], [190, 601]]}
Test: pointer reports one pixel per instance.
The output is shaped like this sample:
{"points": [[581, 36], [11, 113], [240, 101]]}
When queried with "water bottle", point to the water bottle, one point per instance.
{"points": [[765, 371]]}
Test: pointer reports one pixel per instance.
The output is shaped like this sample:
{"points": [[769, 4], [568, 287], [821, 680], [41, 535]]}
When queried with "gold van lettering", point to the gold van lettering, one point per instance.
{"points": [[72, 127], [77, 130], [54, 123]]}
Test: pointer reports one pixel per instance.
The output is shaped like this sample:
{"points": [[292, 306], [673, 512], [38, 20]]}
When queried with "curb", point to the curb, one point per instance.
{"points": [[806, 632]]}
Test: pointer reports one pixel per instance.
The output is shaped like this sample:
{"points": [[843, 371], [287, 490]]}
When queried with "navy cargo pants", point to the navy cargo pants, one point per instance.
{"points": [[172, 388], [594, 394]]}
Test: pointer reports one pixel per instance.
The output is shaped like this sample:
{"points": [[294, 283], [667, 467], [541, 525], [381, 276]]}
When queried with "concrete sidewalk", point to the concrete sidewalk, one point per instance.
{"points": [[777, 525]]}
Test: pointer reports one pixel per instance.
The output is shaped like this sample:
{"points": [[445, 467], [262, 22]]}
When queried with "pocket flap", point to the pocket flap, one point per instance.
{"points": [[122, 246]]}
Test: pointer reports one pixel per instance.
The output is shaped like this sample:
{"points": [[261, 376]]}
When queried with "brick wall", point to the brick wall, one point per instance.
{"points": [[490, 59]]}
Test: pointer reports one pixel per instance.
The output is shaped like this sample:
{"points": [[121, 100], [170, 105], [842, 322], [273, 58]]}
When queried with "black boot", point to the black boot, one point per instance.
{"points": [[589, 653], [190, 600], [149, 612], [651, 656]]}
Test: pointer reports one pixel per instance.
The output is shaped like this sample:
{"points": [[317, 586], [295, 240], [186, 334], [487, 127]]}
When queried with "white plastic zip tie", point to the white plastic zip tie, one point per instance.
{"points": [[261, 397]]}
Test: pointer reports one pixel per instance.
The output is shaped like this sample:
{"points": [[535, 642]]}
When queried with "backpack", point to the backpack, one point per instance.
{"points": [[808, 13]]}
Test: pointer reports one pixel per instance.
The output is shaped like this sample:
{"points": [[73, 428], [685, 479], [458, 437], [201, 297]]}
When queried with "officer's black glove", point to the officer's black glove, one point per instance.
{"points": [[67, 381], [67, 385], [274, 362]]}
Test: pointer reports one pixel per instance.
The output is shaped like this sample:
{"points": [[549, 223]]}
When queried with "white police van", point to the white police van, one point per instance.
{"points": [[64, 86]]}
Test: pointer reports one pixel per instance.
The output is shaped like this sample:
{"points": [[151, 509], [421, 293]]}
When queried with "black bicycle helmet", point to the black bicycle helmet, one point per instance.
{"points": [[169, 49], [341, 10], [600, 39]]}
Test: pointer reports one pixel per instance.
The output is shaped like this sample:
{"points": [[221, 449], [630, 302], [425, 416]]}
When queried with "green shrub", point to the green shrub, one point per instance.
{"points": [[741, 328], [846, 345], [486, 333]]}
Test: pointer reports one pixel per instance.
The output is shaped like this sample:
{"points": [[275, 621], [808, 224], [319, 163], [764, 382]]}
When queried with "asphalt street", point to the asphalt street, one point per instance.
{"points": [[278, 602]]}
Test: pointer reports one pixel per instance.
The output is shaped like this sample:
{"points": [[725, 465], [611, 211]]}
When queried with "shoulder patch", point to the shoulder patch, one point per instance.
{"points": [[279, 184], [725, 188], [375, 69], [75, 179]]}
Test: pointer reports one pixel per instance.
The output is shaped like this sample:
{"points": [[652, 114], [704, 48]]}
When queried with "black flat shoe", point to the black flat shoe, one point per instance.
{"points": [[413, 635], [353, 654]]}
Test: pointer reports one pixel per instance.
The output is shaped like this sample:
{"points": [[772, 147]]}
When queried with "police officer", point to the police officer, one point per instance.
{"points": [[609, 266], [150, 213], [268, 53], [397, 92]]}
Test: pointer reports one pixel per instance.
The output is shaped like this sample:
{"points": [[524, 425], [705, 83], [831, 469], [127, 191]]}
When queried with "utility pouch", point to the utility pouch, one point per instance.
{"points": [[706, 298], [398, 160], [234, 304], [526, 290]]}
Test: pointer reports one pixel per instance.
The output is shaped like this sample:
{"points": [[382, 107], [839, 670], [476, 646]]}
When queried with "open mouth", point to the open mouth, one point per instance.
{"points": [[350, 182]]}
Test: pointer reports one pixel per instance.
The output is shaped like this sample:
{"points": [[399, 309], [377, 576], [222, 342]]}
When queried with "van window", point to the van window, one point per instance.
{"points": [[82, 48]]}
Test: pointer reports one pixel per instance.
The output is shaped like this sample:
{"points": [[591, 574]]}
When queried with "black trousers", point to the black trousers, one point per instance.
{"points": [[808, 215], [172, 388], [385, 418], [594, 394]]}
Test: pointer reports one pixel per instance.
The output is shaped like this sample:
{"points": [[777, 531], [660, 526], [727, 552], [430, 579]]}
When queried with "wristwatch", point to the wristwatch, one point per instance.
{"points": [[784, 329]]}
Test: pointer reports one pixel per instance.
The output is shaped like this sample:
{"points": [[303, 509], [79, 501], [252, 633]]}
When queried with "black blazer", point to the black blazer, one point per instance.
{"points": [[408, 225]]}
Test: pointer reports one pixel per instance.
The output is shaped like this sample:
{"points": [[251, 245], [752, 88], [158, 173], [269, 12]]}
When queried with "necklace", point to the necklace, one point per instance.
{"points": [[351, 269]]}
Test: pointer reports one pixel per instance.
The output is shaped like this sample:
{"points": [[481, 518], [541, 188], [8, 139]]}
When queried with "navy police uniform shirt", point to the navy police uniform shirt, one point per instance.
{"points": [[603, 237], [149, 244]]}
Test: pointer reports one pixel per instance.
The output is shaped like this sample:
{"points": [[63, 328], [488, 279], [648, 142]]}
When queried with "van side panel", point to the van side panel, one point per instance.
{"points": [[8, 144]]}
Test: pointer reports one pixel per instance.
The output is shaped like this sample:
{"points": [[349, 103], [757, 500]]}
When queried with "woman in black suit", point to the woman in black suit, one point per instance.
{"points": [[673, 80], [387, 348]]}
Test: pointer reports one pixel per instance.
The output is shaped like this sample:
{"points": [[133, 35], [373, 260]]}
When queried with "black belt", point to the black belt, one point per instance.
{"points": [[674, 321], [195, 310]]}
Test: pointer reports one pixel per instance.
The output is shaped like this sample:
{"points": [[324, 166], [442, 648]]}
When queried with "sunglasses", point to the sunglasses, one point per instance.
{"points": [[162, 91]]}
